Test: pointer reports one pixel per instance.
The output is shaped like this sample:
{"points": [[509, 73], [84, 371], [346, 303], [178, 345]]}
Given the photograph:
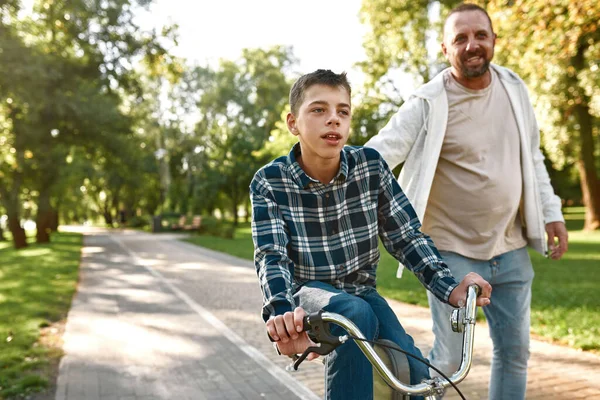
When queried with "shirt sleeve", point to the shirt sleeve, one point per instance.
{"points": [[399, 230], [274, 268]]}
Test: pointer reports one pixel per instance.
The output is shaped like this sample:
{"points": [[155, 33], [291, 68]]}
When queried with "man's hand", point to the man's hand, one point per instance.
{"points": [[557, 231], [458, 297], [286, 331]]}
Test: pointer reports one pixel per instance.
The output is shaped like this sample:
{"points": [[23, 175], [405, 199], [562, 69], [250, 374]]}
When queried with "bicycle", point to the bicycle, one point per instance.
{"points": [[388, 371]]}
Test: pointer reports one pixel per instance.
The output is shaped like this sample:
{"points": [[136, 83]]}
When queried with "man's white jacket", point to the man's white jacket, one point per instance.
{"points": [[414, 136]]}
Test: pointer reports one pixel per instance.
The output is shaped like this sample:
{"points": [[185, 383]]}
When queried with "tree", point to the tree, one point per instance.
{"points": [[21, 72], [399, 40], [557, 53], [371, 114], [240, 104], [64, 73]]}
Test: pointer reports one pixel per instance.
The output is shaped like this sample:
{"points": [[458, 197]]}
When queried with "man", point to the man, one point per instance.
{"points": [[474, 172], [317, 213]]}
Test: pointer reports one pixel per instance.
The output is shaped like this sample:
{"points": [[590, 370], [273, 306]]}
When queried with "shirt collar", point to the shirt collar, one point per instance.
{"points": [[302, 178]]}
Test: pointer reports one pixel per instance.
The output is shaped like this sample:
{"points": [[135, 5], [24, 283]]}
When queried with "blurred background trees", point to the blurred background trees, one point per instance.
{"points": [[99, 121]]}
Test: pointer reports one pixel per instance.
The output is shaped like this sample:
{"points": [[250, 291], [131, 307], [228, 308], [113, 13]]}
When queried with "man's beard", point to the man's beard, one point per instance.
{"points": [[475, 72]]}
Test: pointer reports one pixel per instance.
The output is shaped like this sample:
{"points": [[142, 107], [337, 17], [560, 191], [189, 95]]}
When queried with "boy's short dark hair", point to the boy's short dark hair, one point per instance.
{"points": [[470, 7], [319, 77]]}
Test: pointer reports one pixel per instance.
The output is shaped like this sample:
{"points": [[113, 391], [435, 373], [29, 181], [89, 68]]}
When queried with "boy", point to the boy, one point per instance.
{"points": [[317, 214]]}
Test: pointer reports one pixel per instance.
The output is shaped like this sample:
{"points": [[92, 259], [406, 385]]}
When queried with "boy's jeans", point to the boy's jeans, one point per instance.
{"points": [[349, 375], [510, 275]]}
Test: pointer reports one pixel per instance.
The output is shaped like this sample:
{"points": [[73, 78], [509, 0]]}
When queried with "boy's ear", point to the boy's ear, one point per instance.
{"points": [[291, 124]]}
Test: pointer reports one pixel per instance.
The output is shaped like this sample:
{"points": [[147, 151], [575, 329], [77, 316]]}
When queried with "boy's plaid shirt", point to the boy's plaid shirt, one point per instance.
{"points": [[304, 230]]}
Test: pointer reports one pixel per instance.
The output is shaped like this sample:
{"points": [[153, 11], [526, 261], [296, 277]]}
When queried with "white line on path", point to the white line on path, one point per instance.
{"points": [[292, 384]]}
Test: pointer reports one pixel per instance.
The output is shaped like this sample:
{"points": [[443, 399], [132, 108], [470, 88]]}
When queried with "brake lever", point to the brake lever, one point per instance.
{"points": [[318, 331]]}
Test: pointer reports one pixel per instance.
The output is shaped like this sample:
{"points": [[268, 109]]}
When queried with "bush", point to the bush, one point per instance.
{"points": [[228, 231], [216, 227], [138, 222]]}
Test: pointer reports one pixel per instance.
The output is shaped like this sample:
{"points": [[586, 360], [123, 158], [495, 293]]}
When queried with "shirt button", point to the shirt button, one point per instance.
{"points": [[334, 231], [327, 195], [340, 267]]}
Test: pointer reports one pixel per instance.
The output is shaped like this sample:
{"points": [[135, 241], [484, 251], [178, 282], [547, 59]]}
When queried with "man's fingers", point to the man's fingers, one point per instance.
{"points": [[551, 236], [558, 238], [563, 241], [557, 250]]}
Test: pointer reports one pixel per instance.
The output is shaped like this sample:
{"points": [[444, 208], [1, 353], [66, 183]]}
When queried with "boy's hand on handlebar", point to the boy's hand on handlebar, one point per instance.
{"points": [[288, 332], [458, 297]]}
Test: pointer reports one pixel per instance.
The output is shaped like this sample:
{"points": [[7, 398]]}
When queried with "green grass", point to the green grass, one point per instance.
{"points": [[241, 246], [565, 300], [36, 288]]}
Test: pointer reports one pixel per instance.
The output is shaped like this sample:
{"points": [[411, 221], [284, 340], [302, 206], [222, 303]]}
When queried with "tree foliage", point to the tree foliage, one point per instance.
{"points": [[240, 104], [557, 52], [66, 69]]}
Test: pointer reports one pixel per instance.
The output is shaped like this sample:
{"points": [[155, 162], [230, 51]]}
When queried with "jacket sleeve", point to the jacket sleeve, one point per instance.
{"points": [[395, 140], [551, 203]]}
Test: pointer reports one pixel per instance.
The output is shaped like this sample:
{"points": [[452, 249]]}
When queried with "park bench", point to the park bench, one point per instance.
{"points": [[179, 224], [182, 223], [195, 225]]}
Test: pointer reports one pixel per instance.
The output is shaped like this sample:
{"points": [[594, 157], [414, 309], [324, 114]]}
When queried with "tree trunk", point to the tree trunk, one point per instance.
{"points": [[19, 238], [10, 198], [115, 205], [235, 214], [108, 218], [591, 196], [590, 186], [2, 239], [43, 222], [43, 218], [54, 221]]}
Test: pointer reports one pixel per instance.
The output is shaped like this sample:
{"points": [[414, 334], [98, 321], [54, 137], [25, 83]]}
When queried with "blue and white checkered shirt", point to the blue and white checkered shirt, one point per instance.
{"points": [[304, 230]]}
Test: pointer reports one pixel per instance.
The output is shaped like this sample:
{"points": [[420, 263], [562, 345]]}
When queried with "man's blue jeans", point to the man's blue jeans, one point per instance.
{"points": [[348, 374], [508, 317]]}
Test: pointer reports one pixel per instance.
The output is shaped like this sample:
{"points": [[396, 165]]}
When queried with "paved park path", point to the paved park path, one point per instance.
{"points": [[158, 318]]}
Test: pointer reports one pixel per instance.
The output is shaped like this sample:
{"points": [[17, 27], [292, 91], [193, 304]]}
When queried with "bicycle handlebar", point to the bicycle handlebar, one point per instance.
{"points": [[325, 338]]}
